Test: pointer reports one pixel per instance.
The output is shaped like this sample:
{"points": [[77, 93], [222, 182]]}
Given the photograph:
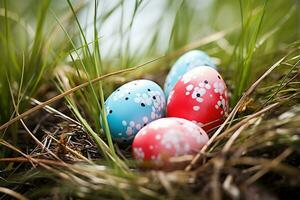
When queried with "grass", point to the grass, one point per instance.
{"points": [[57, 67]]}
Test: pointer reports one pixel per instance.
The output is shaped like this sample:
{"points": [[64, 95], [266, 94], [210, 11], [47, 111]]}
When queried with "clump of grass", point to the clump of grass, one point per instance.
{"points": [[255, 149], [27, 54]]}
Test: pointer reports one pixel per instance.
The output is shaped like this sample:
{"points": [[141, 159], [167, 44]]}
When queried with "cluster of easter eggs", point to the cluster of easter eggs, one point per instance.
{"points": [[162, 125]]}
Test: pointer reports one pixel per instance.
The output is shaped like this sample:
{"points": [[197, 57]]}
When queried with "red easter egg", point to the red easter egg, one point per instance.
{"points": [[166, 138], [199, 96]]}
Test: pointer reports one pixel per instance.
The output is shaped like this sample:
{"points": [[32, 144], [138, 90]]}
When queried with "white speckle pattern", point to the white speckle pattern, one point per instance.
{"points": [[129, 131], [153, 98], [221, 104], [131, 123], [143, 98], [138, 101], [170, 96], [167, 138], [143, 132], [202, 88], [157, 137], [196, 108], [107, 110], [138, 126], [185, 63], [170, 139], [139, 153], [130, 128], [219, 87], [197, 93], [145, 119], [153, 108], [153, 115], [174, 139], [157, 125], [189, 87], [186, 147], [186, 78], [224, 103], [158, 102], [207, 86], [120, 94]]}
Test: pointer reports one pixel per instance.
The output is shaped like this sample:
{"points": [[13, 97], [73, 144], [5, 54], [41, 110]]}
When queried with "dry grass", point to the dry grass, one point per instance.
{"points": [[257, 151]]}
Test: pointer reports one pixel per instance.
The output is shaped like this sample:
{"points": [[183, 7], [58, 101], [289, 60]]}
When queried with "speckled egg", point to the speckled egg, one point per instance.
{"points": [[200, 96], [133, 106], [162, 141], [186, 62]]}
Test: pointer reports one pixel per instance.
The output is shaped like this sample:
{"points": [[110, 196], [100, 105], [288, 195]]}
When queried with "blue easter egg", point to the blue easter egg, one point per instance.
{"points": [[186, 62], [132, 106]]}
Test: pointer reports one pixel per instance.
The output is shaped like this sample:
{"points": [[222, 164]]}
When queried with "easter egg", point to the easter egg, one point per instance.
{"points": [[133, 106], [186, 62], [166, 139], [200, 96]]}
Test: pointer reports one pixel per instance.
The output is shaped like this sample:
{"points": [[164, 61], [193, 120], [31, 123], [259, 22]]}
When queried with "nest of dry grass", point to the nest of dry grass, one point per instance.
{"points": [[255, 154]]}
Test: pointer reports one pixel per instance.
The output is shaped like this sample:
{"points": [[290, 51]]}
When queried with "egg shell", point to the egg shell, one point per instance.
{"points": [[200, 96], [132, 106], [186, 62], [163, 139]]}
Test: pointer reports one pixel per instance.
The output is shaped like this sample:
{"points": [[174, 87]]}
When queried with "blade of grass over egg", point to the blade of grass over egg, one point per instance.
{"points": [[74, 108], [91, 99], [90, 70], [98, 65], [105, 150], [94, 62]]}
